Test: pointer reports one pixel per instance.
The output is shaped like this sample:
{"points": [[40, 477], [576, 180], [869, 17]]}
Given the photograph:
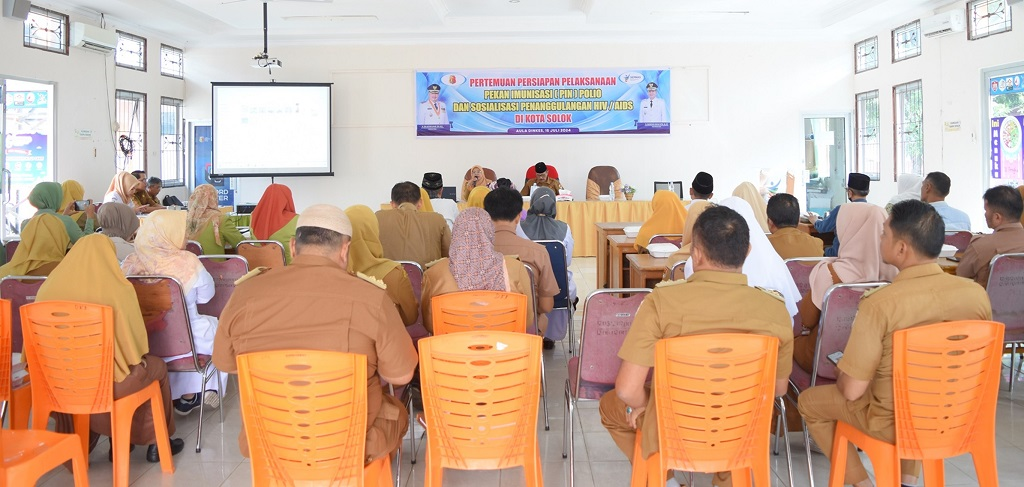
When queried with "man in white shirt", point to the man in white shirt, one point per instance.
{"points": [[652, 110], [433, 184], [934, 190], [432, 111]]}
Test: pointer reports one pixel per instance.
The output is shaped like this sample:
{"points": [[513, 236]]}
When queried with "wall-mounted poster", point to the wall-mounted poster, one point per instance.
{"points": [[543, 102], [202, 171], [1006, 107]]}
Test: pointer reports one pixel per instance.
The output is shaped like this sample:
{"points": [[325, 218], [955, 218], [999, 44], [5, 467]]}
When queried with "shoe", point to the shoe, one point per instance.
{"points": [[110, 454], [212, 399], [549, 344], [185, 406], [153, 455]]}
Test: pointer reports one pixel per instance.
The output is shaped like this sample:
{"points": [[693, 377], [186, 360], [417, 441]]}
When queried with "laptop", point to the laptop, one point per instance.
{"points": [[448, 193]]}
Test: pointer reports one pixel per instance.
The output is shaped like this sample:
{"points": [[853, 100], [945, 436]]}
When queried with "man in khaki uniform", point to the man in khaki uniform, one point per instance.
{"points": [[504, 206], [542, 179], [786, 238], [409, 234], [1003, 208], [315, 304], [715, 299], [921, 294]]}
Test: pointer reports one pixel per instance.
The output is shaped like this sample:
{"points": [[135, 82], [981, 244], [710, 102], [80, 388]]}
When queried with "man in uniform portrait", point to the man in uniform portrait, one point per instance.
{"points": [[432, 111]]}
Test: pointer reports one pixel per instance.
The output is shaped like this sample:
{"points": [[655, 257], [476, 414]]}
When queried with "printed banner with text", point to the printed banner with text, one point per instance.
{"points": [[543, 102]]}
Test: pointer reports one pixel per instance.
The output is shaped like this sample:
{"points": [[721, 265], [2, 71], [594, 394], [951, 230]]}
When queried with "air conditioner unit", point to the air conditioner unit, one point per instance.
{"points": [[944, 24], [93, 38]]}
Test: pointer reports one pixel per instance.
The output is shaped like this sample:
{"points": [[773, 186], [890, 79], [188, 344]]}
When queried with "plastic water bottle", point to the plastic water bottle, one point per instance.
{"points": [[611, 190]]}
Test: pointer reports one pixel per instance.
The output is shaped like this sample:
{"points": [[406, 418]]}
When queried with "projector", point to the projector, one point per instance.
{"points": [[262, 60]]}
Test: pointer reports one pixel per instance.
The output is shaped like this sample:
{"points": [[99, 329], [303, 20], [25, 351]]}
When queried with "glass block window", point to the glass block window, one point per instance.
{"points": [[908, 127], [130, 138], [172, 148], [906, 41], [987, 17], [172, 61], [47, 30], [866, 55], [868, 147], [131, 51]]}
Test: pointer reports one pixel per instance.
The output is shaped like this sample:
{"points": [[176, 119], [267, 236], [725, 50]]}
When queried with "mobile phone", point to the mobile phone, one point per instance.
{"points": [[81, 204], [834, 357]]}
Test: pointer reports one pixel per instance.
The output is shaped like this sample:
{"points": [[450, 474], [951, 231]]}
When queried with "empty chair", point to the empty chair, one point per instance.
{"points": [[960, 239], [674, 186], [1005, 288], [478, 310], [225, 270], [600, 179], [194, 247], [262, 253]]}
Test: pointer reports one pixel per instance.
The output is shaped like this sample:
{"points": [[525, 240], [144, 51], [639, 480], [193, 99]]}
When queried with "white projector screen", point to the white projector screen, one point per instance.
{"points": [[272, 129]]}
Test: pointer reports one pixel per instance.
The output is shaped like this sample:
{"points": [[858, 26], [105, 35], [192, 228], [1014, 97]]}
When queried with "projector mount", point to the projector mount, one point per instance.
{"points": [[263, 60]]}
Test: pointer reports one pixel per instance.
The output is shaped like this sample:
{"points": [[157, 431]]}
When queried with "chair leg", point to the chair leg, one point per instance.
{"points": [[568, 442], [20, 405], [544, 394], [984, 456], [807, 450], [741, 478], [839, 451], [222, 391], [163, 437], [934, 473], [202, 409], [79, 467], [784, 424], [639, 476], [398, 466]]}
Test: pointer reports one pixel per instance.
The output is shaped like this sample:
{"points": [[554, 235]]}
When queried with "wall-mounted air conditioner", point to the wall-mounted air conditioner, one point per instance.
{"points": [[93, 38], [944, 24]]}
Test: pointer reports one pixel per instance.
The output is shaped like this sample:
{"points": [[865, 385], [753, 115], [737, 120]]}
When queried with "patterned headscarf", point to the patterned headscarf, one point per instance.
{"points": [[202, 209], [472, 260], [159, 250]]}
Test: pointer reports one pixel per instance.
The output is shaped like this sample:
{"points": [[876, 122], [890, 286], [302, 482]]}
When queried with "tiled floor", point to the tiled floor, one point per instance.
{"points": [[598, 461]]}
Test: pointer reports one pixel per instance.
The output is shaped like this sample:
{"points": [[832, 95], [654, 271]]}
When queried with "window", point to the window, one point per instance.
{"points": [[908, 128], [868, 146], [906, 41], [131, 51], [130, 111], [172, 154], [866, 55], [987, 17], [171, 59], [46, 30]]}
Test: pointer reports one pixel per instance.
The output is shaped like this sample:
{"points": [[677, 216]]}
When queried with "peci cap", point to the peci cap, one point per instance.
{"points": [[434, 88], [432, 180], [858, 181], [652, 86], [540, 167], [328, 217], [703, 183]]}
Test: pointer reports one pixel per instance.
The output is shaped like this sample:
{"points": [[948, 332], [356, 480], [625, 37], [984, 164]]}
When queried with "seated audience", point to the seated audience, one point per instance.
{"points": [[366, 256], [425, 202], [474, 265], [749, 193], [44, 242], [449, 209], [934, 190], [701, 188], [783, 212], [315, 303], [502, 183], [159, 251], [715, 299], [206, 224], [921, 294], [1003, 208], [669, 216], [541, 179], [504, 205], [476, 197], [274, 217], [406, 233], [857, 187], [146, 198], [540, 224], [73, 191], [93, 259], [859, 260], [693, 211], [477, 178], [47, 197], [908, 187], [118, 221], [140, 175], [122, 189]]}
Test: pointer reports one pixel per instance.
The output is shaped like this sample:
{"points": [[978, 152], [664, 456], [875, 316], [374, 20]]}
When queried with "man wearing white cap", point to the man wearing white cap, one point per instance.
{"points": [[316, 304]]}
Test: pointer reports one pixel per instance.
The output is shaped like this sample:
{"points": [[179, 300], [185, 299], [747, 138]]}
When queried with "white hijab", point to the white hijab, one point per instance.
{"points": [[908, 187], [763, 267]]}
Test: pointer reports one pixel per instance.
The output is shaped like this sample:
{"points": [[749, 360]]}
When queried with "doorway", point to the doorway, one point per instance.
{"points": [[27, 132], [825, 154]]}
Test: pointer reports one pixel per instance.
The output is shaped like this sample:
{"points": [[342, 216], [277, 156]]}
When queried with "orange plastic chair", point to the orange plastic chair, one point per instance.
{"points": [[478, 310], [714, 396], [70, 351], [480, 398], [304, 413], [19, 290], [262, 253], [945, 386], [26, 455]]}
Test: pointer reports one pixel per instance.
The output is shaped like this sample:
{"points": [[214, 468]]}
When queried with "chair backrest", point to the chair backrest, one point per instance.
{"points": [[5, 351], [669, 238], [677, 270], [225, 269], [838, 309], [560, 268], [415, 272], [69, 347], [603, 176], [1005, 290], [21, 290], [478, 310], [194, 247], [531, 172], [262, 253], [674, 186], [488, 173], [607, 316], [166, 315], [480, 398], [800, 268], [714, 396], [945, 387], [10, 247], [304, 413], [960, 239], [532, 320]]}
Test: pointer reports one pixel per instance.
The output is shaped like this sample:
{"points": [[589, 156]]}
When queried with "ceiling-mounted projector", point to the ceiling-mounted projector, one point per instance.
{"points": [[262, 60]]}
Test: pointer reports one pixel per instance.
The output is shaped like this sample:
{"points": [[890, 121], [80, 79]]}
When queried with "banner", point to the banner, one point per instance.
{"points": [[1007, 155], [202, 141], [543, 102]]}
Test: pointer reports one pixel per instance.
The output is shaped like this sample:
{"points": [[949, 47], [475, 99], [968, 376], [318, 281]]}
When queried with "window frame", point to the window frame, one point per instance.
{"points": [[119, 158], [179, 153], [65, 47], [145, 51], [899, 145], [859, 145], [971, 26], [908, 27], [181, 65], [856, 54]]}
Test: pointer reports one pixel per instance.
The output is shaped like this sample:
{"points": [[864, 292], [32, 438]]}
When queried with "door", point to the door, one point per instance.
{"points": [[27, 130], [825, 152]]}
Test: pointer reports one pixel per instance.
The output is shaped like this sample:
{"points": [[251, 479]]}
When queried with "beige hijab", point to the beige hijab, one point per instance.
{"points": [[859, 229], [159, 250], [749, 193], [124, 184]]}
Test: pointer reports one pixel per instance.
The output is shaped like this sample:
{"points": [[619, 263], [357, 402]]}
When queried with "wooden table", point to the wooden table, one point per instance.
{"points": [[949, 266], [646, 270], [604, 229], [618, 268]]}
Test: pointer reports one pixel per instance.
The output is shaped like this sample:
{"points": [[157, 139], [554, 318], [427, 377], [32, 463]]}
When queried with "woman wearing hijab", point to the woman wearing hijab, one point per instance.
{"points": [[476, 197], [425, 203], [366, 256], [119, 222], [473, 265], [859, 227], [669, 217], [540, 224], [73, 191], [93, 259], [44, 241], [749, 193], [696, 208], [47, 197], [274, 217], [159, 251], [122, 189], [908, 187], [763, 266], [477, 178], [205, 223]]}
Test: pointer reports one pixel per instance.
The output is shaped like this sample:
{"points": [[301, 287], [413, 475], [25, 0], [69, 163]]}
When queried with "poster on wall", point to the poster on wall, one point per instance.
{"points": [[202, 149], [543, 102], [1006, 95], [28, 118]]}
